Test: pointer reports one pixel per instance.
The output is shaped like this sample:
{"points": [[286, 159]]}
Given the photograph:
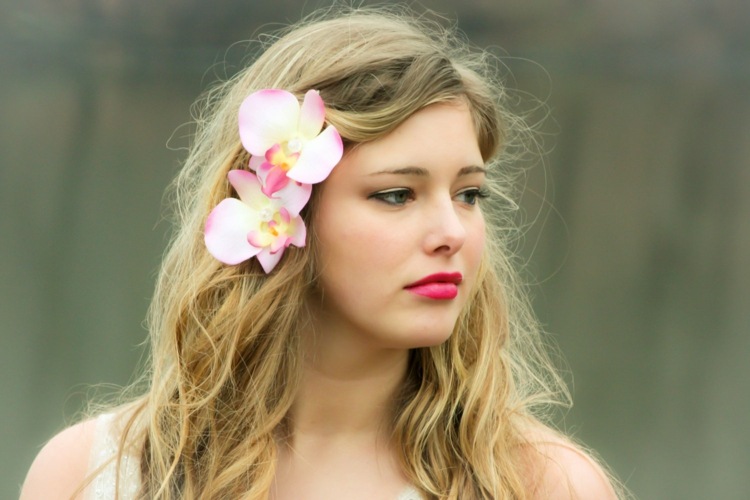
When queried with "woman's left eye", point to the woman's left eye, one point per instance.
{"points": [[471, 195]]}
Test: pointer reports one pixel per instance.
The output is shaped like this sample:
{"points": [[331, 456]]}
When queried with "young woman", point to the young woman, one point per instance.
{"points": [[338, 316]]}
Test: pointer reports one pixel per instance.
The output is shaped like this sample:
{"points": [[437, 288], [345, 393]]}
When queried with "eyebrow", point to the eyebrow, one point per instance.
{"points": [[423, 172]]}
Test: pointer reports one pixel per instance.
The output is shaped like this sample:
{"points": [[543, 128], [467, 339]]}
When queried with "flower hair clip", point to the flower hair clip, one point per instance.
{"points": [[290, 151]]}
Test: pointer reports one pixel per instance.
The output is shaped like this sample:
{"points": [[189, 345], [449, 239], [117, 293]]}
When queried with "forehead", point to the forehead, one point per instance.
{"points": [[438, 135]]}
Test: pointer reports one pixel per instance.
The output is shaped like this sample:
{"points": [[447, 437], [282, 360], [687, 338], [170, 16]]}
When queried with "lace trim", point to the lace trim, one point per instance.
{"points": [[104, 448], [410, 493]]}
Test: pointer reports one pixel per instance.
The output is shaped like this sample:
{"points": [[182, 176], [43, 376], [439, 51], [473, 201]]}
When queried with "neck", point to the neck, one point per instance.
{"points": [[347, 388]]}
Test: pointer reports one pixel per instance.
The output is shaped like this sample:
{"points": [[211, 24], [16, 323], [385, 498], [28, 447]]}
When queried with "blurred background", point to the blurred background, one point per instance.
{"points": [[638, 222]]}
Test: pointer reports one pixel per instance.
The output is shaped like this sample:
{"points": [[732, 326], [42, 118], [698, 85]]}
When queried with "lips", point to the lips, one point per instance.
{"points": [[440, 286]]}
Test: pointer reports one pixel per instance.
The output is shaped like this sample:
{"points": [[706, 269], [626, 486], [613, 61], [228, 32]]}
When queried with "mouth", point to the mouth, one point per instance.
{"points": [[440, 286]]}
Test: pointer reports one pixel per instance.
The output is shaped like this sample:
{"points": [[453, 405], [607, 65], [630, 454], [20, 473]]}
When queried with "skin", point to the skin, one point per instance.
{"points": [[392, 212], [61, 465], [377, 232]]}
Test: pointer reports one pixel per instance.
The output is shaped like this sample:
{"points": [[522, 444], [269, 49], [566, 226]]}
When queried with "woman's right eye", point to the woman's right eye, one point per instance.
{"points": [[393, 196]]}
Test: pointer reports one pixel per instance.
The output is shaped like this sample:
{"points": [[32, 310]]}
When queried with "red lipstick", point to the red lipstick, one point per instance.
{"points": [[439, 286]]}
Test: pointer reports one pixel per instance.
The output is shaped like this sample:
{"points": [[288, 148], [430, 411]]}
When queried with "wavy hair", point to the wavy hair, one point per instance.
{"points": [[226, 353]]}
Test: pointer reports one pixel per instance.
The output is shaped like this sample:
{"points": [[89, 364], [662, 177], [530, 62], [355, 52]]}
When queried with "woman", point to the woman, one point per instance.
{"points": [[337, 316]]}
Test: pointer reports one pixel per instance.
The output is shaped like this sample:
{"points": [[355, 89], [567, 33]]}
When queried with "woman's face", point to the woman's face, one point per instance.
{"points": [[400, 232]]}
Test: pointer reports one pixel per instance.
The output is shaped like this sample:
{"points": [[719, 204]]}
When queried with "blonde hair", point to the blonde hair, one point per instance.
{"points": [[225, 348]]}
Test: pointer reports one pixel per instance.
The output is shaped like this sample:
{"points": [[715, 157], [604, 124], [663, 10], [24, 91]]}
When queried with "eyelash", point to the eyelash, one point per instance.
{"points": [[476, 193], [387, 196]]}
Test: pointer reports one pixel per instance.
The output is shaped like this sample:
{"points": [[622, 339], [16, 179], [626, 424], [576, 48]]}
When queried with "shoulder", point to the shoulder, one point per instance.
{"points": [[557, 468], [62, 464]]}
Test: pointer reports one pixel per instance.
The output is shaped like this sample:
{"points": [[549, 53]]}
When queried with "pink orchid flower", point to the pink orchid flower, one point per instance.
{"points": [[256, 225], [285, 140]]}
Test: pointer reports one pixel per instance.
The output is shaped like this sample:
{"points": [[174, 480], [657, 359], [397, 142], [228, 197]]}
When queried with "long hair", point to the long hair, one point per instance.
{"points": [[226, 353]]}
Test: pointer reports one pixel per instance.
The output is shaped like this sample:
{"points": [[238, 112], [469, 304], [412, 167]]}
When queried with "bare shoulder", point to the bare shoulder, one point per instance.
{"points": [[557, 468], [62, 464]]}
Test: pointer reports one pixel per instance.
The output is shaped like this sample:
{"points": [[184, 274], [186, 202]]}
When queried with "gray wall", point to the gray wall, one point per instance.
{"points": [[638, 222]]}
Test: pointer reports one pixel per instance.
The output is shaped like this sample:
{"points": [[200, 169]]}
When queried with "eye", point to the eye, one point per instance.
{"points": [[471, 195], [395, 197]]}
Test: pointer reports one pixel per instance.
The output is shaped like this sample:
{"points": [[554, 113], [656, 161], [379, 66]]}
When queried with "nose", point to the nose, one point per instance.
{"points": [[446, 231]]}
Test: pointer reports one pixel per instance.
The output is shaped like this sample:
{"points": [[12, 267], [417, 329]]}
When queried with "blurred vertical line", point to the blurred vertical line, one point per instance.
{"points": [[55, 349]]}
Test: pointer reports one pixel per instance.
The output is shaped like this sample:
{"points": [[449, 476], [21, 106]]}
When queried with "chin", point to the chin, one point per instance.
{"points": [[429, 338]]}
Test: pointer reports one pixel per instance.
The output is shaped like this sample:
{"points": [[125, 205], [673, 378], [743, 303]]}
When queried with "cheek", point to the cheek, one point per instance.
{"points": [[359, 268], [475, 244], [354, 240]]}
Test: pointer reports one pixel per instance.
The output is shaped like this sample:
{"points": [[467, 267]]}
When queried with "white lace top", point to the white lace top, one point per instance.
{"points": [[104, 448]]}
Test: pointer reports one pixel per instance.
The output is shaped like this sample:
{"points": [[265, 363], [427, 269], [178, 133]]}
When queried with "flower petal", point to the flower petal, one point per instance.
{"points": [[246, 184], [275, 155], [269, 260], [284, 215], [318, 157], [280, 243], [226, 231], [267, 117], [298, 232], [262, 171], [259, 239], [274, 180], [294, 196], [311, 115], [255, 162]]}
